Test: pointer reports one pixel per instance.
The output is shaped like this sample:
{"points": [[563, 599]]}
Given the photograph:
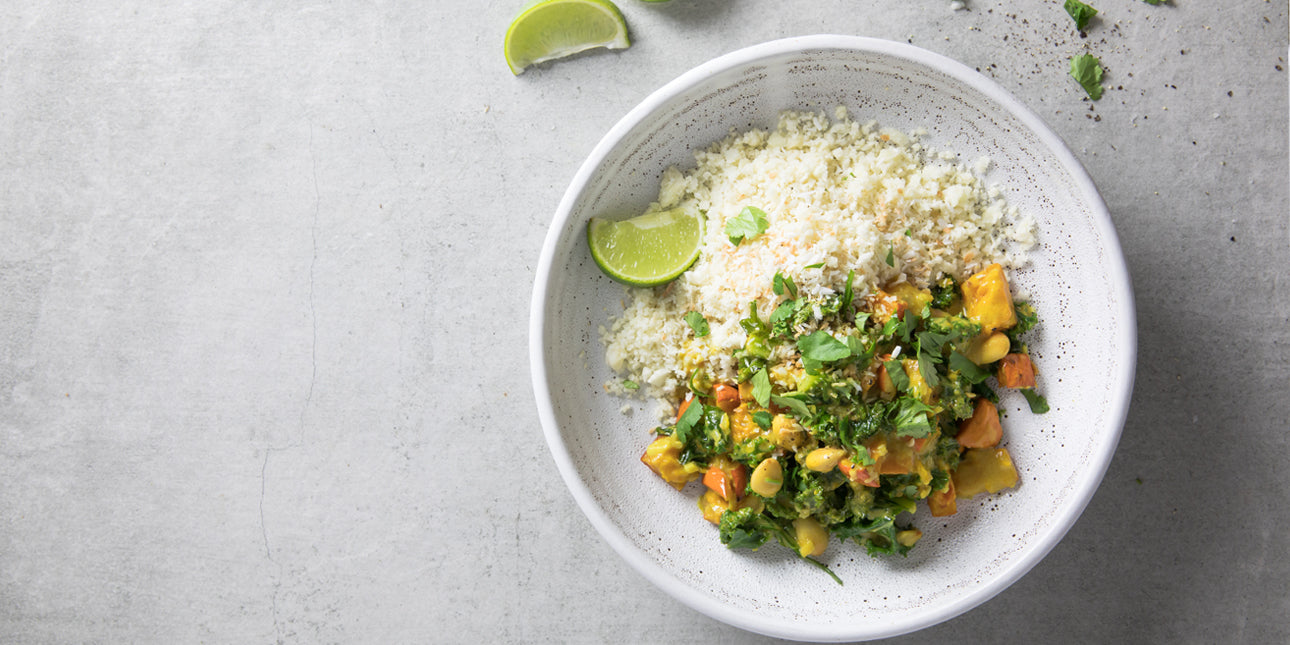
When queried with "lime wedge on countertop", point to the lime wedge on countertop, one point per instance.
{"points": [[646, 250], [550, 29]]}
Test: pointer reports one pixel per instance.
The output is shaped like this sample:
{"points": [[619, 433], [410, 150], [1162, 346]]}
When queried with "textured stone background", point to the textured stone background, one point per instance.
{"points": [[266, 274]]}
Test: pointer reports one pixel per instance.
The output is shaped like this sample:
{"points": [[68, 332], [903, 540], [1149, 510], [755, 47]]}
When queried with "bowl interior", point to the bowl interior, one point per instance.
{"points": [[1084, 346]]}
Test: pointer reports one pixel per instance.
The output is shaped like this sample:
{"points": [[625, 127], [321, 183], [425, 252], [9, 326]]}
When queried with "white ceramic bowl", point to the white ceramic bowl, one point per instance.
{"points": [[1085, 346]]}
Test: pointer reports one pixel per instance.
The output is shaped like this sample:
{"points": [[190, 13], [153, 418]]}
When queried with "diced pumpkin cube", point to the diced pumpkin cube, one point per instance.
{"points": [[984, 470], [900, 457], [942, 502], [982, 429], [663, 457], [986, 300], [1016, 370]]}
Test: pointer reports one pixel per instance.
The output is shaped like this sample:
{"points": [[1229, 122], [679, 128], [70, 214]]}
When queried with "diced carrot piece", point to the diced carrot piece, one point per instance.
{"points": [[727, 479], [900, 458], [681, 410], [982, 429], [727, 397], [1016, 370], [943, 502]]}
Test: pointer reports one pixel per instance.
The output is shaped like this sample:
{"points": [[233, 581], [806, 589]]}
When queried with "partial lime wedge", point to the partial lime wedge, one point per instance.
{"points": [[647, 250], [550, 29]]}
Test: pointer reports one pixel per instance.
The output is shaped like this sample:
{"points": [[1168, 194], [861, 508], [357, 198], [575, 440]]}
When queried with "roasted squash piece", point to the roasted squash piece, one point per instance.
{"points": [[986, 300], [984, 470], [663, 457]]}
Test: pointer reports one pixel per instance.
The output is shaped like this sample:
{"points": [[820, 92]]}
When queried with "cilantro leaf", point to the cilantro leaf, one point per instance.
{"points": [[750, 222], [896, 372], [697, 322], [794, 405], [891, 256], [927, 367], [761, 388], [1038, 404], [1087, 69], [692, 415], [631, 385], [971, 372], [763, 419], [821, 347], [911, 418], [1080, 13]]}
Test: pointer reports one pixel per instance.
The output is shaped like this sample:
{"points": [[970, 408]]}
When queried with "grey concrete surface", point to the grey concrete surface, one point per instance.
{"points": [[266, 272]]}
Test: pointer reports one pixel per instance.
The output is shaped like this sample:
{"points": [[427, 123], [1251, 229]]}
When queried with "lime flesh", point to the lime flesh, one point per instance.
{"points": [[647, 250], [551, 29]]}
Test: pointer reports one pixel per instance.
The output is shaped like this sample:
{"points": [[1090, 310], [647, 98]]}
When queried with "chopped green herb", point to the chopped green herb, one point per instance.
{"points": [[908, 233], [1038, 404], [761, 388], [896, 372], [1154, 2], [693, 414], [749, 223], [911, 418], [763, 419], [631, 385], [821, 347], [697, 322], [891, 257], [796, 406], [1080, 13], [782, 283], [1087, 70], [971, 372], [817, 265]]}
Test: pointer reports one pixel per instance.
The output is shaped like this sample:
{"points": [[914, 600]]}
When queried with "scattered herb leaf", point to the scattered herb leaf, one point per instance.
{"points": [[1038, 404], [749, 223], [698, 323], [821, 347], [796, 406], [891, 257], [1080, 13], [631, 385], [761, 388], [1086, 69]]}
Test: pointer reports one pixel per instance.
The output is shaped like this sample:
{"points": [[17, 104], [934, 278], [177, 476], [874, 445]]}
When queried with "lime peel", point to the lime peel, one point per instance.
{"points": [[647, 250], [550, 29]]}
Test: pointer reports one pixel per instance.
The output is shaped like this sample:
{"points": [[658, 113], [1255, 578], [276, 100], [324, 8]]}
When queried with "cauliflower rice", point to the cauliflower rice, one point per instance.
{"points": [[840, 196]]}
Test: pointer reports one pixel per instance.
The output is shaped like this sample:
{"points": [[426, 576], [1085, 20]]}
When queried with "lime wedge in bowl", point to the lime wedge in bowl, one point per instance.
{"points": [[646, 250], [550, 29]]}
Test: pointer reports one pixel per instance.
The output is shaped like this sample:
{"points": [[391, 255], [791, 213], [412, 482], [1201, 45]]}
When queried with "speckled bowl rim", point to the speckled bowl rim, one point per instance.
{"points": [[651, 570]]}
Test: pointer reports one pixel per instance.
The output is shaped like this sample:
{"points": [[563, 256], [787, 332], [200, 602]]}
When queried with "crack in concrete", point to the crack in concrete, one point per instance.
{"points": [[309, 393]]}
